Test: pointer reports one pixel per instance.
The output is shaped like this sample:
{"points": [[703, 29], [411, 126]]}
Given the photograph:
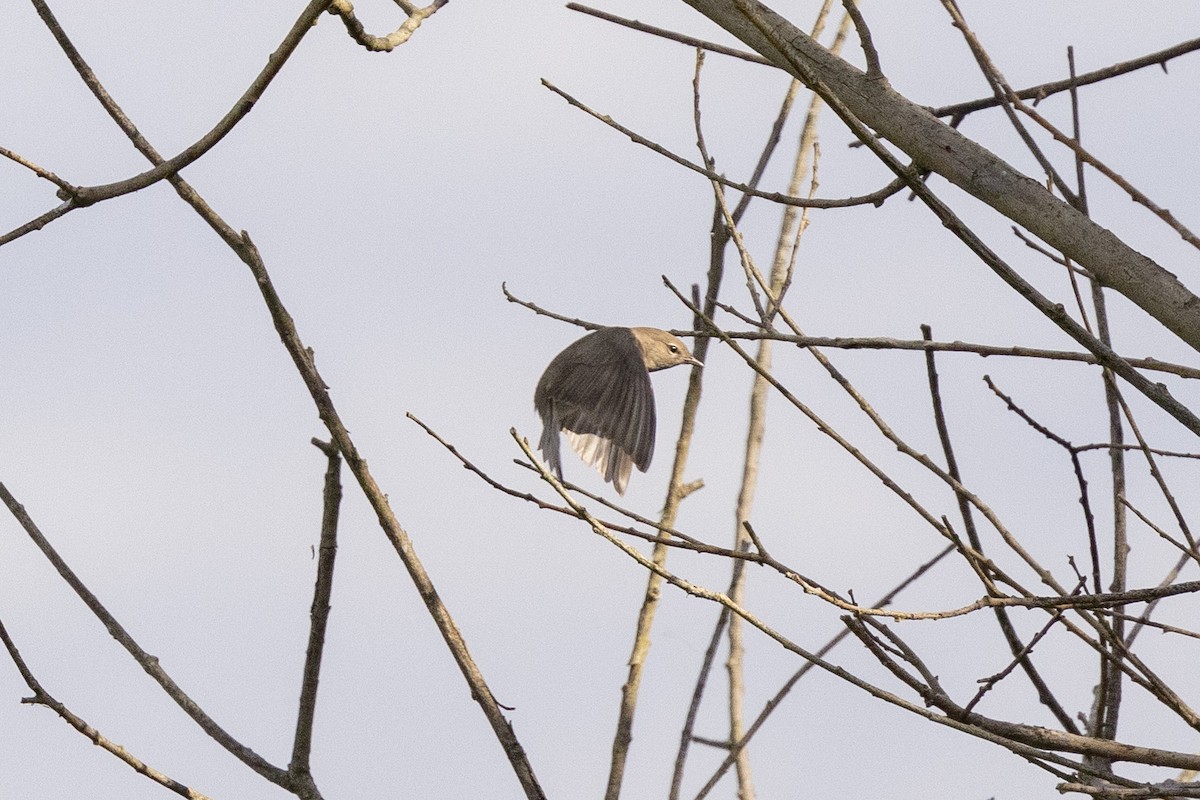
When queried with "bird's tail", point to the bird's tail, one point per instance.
{"points": [[549, 444]]}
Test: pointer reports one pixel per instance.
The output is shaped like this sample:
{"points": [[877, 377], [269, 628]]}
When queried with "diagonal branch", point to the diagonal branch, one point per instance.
{"points": [[1044, 90], [146, 661], [935, 146], [303, 359], [44, 698], [82, 196]]}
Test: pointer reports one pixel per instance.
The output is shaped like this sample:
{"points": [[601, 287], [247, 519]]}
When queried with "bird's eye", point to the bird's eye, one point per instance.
{"points": [[674, 348]]}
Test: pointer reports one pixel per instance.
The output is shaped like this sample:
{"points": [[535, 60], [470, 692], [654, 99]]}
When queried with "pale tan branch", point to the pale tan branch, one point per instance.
{"points": [[1023, 739], [41, 172], [384, 44]]}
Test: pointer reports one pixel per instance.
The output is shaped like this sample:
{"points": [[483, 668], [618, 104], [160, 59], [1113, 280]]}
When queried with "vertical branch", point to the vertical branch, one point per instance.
{"points": [[1108, 694], [300, 767], [675, 494], [718, 241], [792, 227]]}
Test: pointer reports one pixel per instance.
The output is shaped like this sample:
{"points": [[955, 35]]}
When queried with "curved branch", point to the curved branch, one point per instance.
{"points": [[81, 196], [384, 44], [1023, 739]]}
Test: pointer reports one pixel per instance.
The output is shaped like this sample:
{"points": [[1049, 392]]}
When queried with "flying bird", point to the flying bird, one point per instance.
{"points": [[598, 393]]}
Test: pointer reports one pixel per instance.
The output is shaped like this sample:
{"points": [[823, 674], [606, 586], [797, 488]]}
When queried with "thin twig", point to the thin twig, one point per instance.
{"points": [[864, 37], [1043, 90], [145, 660], [41, 172], [875, 198], [1020, 658], [43, 698], [690, 41]]}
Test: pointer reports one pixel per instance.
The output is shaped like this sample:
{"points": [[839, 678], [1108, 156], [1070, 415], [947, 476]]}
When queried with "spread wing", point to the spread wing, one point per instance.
{"points": [[599, 393]]}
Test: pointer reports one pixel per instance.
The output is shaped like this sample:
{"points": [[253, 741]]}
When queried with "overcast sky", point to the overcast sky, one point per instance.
{"points": [[154, 427]]}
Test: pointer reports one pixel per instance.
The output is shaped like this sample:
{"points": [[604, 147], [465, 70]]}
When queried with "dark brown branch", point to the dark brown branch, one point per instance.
{"points": [[1044, 90], [300, 766], [1019, 650]]}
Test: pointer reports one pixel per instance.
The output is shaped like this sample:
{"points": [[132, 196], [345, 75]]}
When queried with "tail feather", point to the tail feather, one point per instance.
{"points": [[549, 444]]}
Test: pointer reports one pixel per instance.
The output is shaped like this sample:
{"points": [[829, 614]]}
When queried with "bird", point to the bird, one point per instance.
{"points": [[597, 391]]}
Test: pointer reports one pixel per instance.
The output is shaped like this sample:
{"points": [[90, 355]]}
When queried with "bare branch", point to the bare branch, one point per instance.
{"points": [[44, 698], [690, 41], [871, 107], [83, 196], [1044, 90], [874, 198], [146, 661], [300, 767], [384, 44]]}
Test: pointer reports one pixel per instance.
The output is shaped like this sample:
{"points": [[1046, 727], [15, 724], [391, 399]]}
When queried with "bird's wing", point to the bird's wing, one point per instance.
{"points": [[606, 393]]}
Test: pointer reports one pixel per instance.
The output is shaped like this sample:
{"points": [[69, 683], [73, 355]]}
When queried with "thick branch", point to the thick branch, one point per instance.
{"points": [[937, 147]]}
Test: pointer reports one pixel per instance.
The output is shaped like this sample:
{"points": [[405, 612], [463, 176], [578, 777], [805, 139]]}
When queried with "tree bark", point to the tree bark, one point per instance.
{"points": [[935, 146]]}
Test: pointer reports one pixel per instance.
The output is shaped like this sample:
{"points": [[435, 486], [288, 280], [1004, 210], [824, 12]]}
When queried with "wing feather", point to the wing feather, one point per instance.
{"points": [[598, 391]]}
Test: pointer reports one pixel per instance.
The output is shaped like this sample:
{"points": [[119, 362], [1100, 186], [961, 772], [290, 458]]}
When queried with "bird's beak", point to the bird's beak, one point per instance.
{"points": [[695, 362]]}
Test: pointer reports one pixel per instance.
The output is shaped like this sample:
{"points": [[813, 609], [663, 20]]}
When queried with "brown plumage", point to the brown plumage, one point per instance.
{"points": [[598, 392]]}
